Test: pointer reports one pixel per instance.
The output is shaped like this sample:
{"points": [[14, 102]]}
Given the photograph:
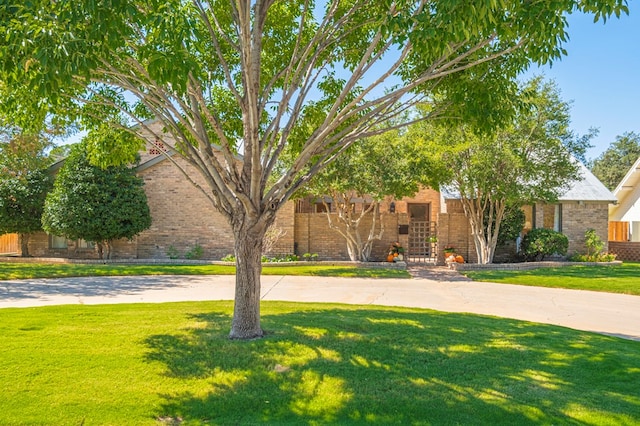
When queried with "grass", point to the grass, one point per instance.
{"points": [[11, 271], [319, 364], [623, 278]]}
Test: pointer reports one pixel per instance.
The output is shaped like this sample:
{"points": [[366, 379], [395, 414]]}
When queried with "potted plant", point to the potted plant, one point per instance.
{"points": [[396, 252], [449, 250]]}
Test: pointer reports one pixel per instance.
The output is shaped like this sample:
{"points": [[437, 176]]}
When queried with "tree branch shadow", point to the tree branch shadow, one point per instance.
{"points": [[395, 366]]}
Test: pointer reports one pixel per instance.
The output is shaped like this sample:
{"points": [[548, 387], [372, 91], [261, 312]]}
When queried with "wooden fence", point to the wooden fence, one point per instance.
{"points": [[618, 231], [9, 244]]}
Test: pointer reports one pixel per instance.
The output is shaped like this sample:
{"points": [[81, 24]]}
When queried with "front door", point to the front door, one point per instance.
{"points": [[421, 233]]}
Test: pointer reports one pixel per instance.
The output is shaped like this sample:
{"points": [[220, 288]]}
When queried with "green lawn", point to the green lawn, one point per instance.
{"points": [[623, 278], [172, 363], [11, 271]]}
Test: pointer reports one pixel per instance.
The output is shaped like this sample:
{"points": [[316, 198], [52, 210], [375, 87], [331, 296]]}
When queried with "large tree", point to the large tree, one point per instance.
{"points": [[614, 163], [530, 159], [251, 77], [96, 204], [384, 166]]}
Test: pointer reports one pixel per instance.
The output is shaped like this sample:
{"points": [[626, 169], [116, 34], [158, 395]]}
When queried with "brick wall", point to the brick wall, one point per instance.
{"points": [[40, 246], [626, 251], [454, 230], [313, 235], [285, 218], [577, 217]]}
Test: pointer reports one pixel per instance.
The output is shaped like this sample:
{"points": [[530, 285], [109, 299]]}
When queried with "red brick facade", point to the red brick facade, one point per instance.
{"points": [[184, 218], [625, 251]]}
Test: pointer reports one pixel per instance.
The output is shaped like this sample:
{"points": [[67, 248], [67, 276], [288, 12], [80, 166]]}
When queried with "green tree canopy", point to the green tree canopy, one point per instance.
{"points": [[531, 159], [260, 77], [96, 204], [21, 205], [24, 182], [614, 163], [383, 166]]}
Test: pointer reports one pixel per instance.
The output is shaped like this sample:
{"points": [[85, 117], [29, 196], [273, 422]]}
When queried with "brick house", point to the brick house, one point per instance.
{"points": [[584, 205], [182, 218]]}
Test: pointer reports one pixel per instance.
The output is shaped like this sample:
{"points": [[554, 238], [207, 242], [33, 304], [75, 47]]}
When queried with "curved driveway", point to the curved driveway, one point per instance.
{"points": [[433, 288]]}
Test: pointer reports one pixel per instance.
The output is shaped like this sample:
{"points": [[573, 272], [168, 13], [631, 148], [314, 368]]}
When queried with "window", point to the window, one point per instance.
{"points": [[322, 208], [57, 242], [557, 218], [88, 245]]}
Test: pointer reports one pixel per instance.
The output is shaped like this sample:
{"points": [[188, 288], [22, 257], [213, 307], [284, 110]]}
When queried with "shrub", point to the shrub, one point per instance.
{"points": [[172, 252], [229, 258], [594, 249], [541, 242], [195, 253], [310, 256]]}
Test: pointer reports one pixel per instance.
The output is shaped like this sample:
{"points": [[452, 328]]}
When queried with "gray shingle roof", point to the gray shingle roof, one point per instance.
{"points": [[589, 188]]}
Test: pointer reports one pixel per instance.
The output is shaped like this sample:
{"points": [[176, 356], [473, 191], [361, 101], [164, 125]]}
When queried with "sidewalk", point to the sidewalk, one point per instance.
{"points": [[433, 288]]}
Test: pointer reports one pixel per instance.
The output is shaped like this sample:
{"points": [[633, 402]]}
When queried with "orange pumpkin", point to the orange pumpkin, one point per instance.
{"points": [[459, 259], [390, 258]]}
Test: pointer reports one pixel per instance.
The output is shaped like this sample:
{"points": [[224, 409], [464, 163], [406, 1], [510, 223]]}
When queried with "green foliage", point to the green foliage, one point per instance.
{"points": [[593, 242], [614, 163], [602, 257], [310, 256], [22, 202], [542, 242], [281, 258], [594, 245], [530, 159], [24, 183], [229, 258], [95, 204], [195, 253], [172, 252], [511, 225]]}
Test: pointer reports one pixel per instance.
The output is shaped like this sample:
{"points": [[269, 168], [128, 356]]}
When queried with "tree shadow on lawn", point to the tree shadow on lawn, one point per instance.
{"points": [[350, 365]]}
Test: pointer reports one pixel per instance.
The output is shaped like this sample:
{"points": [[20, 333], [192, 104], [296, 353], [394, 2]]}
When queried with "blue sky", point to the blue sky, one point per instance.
{"points": [[601, 76]]}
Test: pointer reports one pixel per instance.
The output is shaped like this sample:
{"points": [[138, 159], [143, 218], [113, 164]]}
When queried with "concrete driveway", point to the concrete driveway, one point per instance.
{"points": [[432, 287]]}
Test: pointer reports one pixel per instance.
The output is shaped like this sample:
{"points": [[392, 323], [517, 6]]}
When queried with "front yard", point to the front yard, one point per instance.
{"points": [[623, 278], [320, 364]]}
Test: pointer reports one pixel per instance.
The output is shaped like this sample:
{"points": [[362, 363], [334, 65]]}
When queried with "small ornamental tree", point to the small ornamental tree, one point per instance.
{"points": [[530, 159], [95, 204], [370, 171]]}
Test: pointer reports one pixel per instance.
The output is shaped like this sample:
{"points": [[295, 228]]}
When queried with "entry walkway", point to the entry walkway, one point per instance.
{"points": [[432, 287]]}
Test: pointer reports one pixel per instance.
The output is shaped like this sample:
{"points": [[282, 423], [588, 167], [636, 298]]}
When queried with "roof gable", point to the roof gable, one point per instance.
{"points": [[587, 188]]}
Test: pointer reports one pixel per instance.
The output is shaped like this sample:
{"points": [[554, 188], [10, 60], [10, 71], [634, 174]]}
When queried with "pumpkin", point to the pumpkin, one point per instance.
{"points": [[459, 259], [390, 258]]}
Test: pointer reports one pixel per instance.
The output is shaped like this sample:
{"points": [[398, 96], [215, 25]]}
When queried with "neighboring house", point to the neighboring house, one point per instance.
{"points": [[624, 225], [182, 218]]}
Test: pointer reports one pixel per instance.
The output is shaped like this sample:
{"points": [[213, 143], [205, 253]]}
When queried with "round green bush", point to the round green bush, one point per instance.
{"points": [[541, 242]]}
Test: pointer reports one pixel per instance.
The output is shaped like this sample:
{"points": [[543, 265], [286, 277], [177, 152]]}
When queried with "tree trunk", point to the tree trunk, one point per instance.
{"points": [[100, 250], [246, 310], [24, 245]]}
